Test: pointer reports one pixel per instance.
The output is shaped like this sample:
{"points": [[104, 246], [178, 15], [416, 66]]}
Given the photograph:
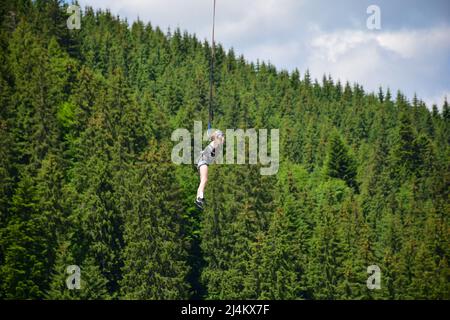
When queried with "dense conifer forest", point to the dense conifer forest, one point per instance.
{"points": [[86, 176]]}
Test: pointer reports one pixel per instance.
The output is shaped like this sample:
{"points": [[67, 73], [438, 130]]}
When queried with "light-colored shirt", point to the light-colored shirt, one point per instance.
{"points": [[209, 154]]}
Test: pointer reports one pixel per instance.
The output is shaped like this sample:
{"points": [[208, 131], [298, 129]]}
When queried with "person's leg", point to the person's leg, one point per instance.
{"points": [[203, 179]]}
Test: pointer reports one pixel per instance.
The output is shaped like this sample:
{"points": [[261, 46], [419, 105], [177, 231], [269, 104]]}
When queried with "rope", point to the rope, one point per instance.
{"points": [[211, 73]]}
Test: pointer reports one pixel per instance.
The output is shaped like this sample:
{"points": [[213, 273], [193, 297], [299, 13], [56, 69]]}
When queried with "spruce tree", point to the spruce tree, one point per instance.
{"points": [[339, 162]]}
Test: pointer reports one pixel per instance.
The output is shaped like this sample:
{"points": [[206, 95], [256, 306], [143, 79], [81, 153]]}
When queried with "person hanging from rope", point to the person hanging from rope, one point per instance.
{"points": [[209, 154], [207, 157]]}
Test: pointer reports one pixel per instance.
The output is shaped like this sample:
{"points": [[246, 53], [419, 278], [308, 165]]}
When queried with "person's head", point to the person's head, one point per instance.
{"points": [[217, 136]]}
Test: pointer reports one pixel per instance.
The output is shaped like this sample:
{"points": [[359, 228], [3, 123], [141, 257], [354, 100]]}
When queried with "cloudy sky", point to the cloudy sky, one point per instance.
{"points": [[410, 52]]}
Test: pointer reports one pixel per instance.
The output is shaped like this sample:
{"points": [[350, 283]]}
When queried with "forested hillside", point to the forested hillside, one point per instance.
{"points": [[86, 176]]}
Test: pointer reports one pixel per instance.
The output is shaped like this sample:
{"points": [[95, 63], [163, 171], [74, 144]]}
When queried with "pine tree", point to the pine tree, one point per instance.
{"points": [[278, 269], [154, 252], [324, 269], [339, 163], [446, 110], [93, 285]]}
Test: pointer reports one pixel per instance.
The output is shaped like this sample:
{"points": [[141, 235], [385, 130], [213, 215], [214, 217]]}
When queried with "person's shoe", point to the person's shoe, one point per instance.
{"points": [[199, 202]]}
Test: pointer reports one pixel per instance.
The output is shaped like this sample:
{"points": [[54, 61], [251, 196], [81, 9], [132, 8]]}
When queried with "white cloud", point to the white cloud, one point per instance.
{"points": [[406, 60], [411, 43], [414, 44], [332, 46]]}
